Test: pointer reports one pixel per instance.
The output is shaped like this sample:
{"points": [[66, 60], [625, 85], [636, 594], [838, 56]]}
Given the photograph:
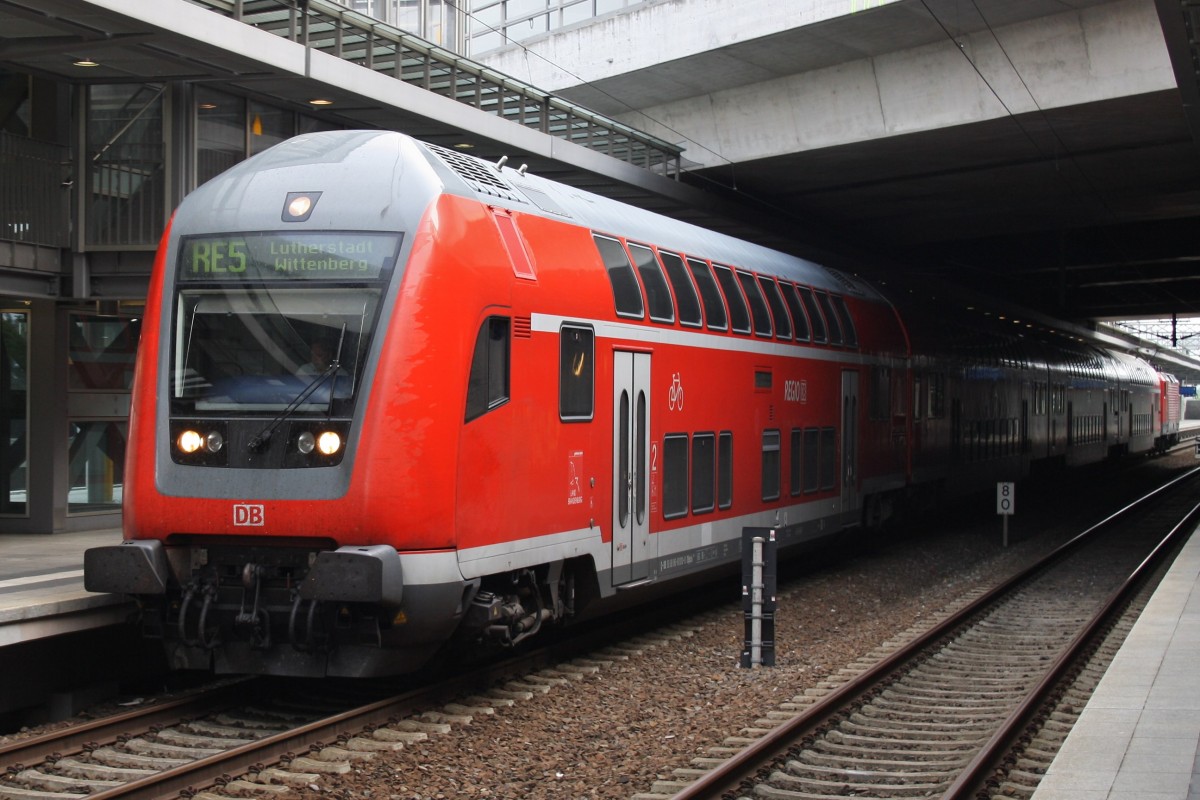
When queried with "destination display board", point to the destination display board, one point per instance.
{"points": [[288, 256]]}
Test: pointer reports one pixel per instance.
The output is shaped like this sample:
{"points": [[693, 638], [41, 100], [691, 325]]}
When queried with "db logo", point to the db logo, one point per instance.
{"points": [[248, 514]]}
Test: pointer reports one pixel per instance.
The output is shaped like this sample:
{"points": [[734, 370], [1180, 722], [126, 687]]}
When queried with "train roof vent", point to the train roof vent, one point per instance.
{"points": [[850, 285], [479, 175], [542, 200]]}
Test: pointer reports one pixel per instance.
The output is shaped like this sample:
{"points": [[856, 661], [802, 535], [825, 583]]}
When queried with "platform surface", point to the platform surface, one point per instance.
{"points": [[1139, 736], [41, 586]]}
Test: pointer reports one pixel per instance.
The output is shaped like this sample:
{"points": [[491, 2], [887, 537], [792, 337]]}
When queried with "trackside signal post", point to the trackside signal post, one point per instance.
{"points": [[758, 596], [1006, 500]]}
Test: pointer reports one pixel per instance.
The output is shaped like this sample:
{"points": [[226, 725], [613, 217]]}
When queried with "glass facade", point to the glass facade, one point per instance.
{"points": [[126, 201], [495, 23], [229, 129], [99, 378], [14, 413], [96, 451], [437, 21]]}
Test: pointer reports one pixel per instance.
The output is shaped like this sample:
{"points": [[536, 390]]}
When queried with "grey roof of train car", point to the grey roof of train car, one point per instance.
{"points": [[512, 188]]}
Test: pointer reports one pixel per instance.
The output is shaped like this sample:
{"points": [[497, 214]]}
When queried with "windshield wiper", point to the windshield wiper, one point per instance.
{"points": [[260, 440]]}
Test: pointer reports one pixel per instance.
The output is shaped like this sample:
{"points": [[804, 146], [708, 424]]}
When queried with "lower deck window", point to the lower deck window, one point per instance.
{"points": [[487, 386], [770, 465], [828, 458], [575, 373], [811, 473], [675, 475], [725, 470], [703, 472]]}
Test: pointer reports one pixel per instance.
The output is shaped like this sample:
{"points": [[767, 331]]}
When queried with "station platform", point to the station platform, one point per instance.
{"points": [[1139, 736], [41, 586]]}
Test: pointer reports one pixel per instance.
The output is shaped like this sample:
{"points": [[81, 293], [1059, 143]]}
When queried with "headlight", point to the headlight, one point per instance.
{"points": [[305, 442], [190, 441], [215, 441], [329, 443]]}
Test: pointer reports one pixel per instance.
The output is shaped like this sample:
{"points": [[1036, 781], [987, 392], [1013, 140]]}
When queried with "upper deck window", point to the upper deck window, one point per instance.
{"points": [[814, 314], [831, 320], [783, 327], [798, 316], [662, 308], [843, 312], [758, 306], [739, 316], [685, 294], [714, 306], [626, 293]]}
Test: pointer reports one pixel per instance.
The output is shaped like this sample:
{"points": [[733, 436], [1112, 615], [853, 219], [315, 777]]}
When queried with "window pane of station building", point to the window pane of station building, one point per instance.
{"points": [[126, 152], [102, 353], [100, 365], [96, 465], [14, 412], [437, 21]]}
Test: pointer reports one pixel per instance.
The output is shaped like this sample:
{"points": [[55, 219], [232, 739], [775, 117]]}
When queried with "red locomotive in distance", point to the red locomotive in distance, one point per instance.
{"points": [[391, 396]]}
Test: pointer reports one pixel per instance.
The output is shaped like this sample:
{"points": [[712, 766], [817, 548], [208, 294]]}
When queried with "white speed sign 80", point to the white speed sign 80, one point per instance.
{"points": [[1006, 497]]}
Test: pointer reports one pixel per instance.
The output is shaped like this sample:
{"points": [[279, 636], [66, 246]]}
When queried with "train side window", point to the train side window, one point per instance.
{"points": [[770, 465], [814, 315], [714, 307], [627, 295], [576, 373], [794, 472], [675, 475], [798, 317], [685, 294], [881, 393], [703, 472], [739, 317], [487, 384], [831, 320], [725, 470], [758, 306], [937, 395], [843, 312], [783, 326], [828, 458], [662, 307], [811, 472]]}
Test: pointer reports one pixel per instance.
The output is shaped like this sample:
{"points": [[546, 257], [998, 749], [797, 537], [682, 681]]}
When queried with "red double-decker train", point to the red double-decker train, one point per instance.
{"points": [[390, 396]]}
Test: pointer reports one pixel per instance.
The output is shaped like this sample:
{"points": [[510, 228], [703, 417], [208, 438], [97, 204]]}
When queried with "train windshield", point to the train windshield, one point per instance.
{"points": [[267, 322]]}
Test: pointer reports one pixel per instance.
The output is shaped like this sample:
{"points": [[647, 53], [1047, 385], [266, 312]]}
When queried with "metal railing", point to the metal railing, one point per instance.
{"points": [[33, 199], [495, 24], [349, 35]]}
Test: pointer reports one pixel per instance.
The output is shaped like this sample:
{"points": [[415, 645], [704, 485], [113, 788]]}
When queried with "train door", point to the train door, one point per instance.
{"points": [[849, 441], [631, 467]]}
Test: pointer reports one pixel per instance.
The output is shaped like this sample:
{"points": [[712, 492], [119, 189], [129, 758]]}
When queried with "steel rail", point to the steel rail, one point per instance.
{"points": [[107, 729], [741, 767], [976, 773]]}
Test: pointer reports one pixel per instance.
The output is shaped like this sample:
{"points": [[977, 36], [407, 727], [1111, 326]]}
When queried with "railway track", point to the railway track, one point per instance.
{"points": [[939, 715], [245, 737]]}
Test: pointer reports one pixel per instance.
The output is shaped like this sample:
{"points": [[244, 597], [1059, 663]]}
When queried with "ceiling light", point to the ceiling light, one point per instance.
{"points": [[320, 101], [464, 146], [86, 62]]}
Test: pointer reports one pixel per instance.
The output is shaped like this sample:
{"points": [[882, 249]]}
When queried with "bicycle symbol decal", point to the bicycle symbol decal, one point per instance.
{"points": [[675, 395]]}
